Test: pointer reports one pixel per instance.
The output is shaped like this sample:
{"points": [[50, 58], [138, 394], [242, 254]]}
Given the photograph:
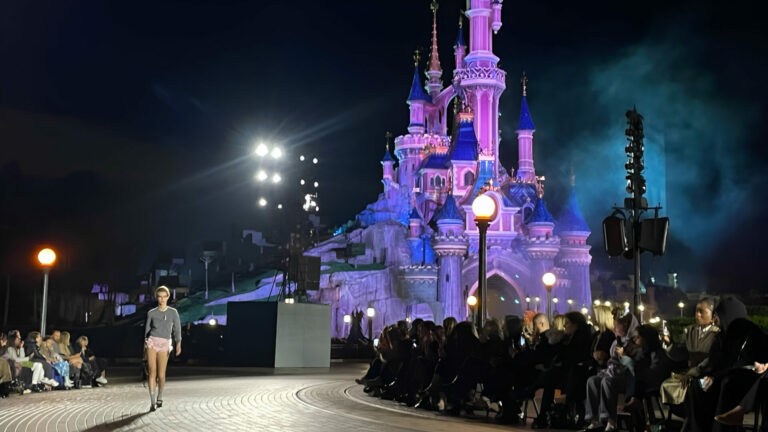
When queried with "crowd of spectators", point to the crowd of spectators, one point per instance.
{"points": [[587, 374], [42, 363]]}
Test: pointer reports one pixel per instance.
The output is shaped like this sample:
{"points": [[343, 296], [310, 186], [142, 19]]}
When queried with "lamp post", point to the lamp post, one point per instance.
{"points": [[371, 312], [641, 308], [46, 257], [484, 208], [472, 303], [537, 299], [681, 305], [527, 302], [570, 304], [549, 280]]}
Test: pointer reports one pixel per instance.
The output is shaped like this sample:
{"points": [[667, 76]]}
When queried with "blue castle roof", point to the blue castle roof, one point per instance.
{"points": [[414, 214], [466, 144], [417, 91], [540, 213], [460, 39], [526, 122], [570, 219], [449, 210], [387, 157], [435, 161]]}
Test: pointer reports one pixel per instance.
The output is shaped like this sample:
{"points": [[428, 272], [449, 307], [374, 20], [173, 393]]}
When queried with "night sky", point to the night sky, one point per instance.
{"points": [[127, 127]]}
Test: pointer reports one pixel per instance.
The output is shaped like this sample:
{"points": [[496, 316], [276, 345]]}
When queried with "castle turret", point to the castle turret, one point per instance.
{"points": [[388, 162], [481, 81], [416, 101], [460, 47], [525, 171], [414, 224], [540, 244], [574, 254], [450, 245]]}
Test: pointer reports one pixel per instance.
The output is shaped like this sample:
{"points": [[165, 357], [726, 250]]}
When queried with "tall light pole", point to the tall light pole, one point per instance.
{"points": [[537, 299], [46, 257], [681, 305], [207, 258], [484, 208], [549, 280], [641, 309]]}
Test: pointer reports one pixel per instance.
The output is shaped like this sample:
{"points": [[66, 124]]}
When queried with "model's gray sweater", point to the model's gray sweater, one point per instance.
{"points": [[163, 324]]}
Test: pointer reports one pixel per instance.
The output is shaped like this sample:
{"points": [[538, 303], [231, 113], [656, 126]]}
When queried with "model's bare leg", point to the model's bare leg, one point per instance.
{"points": [[152, 359], [162, 363]]}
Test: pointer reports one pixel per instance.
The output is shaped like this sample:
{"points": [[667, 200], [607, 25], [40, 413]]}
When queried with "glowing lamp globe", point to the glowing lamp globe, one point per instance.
{"points": [[584, 311], [641, 307], [371, 312], [570, 301], [528, 299], [484, 207], [681, 305], [626, 305], [347, 318], [262, 150], [597, 302], [212, 322], [537, 298], [555, 300], [549, 279], [46, 257], [472, 300], [607, 303]]}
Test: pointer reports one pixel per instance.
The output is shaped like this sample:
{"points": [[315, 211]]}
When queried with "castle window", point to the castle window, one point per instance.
{"points": [[431, 182], [442, 181], [469, 178], [447, 277]]}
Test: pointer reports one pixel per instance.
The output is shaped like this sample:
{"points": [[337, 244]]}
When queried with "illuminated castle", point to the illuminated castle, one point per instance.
{"points": [[420, 257]]}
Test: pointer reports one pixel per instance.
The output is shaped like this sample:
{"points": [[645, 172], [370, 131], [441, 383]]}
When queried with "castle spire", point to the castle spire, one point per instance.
{"points": [[434, 59], [525, 170], [434, 71]]}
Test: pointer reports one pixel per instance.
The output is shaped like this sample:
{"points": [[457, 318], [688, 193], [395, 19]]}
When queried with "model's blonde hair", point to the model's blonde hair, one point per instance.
{"points": [[162, 288], [603, 318]]}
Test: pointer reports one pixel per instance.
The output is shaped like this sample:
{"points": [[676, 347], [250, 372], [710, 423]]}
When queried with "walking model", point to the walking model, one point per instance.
{"points": [[163, 327]]}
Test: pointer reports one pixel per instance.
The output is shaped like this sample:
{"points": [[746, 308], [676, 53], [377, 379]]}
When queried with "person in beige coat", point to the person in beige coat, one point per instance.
{"points": [[698, 340]]}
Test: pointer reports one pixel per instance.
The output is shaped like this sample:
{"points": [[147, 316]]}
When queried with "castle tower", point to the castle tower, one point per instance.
{"points": [[387, 164], [450, 244], [463, 154], [574, 254], [525, 171], [481, 81], [408, 148], [540, 244]]}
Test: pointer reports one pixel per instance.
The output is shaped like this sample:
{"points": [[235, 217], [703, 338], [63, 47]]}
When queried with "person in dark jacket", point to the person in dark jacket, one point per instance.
{"points": [[726, 378]]}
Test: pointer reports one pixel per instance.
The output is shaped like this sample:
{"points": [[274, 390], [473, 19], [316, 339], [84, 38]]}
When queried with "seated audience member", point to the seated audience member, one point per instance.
{"points": [[698, 342], [5, 368], [755, 399], [30, 372], [32, 349], [97, 366], [727, 377], [651, 367], [603, 388], [60, 365], [573, 350]]}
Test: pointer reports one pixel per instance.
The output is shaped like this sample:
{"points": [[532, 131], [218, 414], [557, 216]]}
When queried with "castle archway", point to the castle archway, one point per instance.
{"points": [[504, 296]]}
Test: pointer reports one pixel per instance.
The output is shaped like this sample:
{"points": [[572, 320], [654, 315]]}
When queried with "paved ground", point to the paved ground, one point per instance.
{"points": [[229, 399]]}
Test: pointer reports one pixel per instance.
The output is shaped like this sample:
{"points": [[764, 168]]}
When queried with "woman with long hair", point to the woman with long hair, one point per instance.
{"points": [[162, 333]]}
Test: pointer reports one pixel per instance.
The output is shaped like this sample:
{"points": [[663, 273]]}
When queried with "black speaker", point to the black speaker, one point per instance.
{"points": [[653, 235], [614, 236]]}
